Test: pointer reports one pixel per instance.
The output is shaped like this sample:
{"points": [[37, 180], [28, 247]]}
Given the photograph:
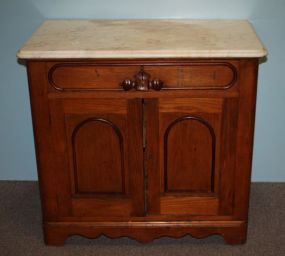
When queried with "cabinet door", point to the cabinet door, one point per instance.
{"points": [[99, 157], [190, 155]]}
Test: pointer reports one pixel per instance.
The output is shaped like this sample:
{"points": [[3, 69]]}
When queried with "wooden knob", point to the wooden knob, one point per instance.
{"points": [[142, 82], [128, 84], [156, 84]]}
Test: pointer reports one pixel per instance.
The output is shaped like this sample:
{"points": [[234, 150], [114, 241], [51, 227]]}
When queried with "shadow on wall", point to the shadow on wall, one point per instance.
{"points": [[18, 19], [264, 10]]}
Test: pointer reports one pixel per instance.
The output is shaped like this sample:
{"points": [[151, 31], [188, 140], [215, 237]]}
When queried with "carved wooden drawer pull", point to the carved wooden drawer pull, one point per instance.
{"points": [[142, 82]]}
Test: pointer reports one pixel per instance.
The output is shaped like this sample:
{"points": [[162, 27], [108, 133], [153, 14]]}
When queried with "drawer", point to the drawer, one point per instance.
{"points": [[192, 76]]}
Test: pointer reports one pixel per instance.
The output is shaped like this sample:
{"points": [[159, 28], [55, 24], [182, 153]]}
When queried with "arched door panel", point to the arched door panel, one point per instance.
{"points": [[187, 138], [99, 157]]}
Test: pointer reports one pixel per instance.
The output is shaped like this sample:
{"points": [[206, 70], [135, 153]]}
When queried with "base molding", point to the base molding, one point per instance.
{"points": [[234, 232]]}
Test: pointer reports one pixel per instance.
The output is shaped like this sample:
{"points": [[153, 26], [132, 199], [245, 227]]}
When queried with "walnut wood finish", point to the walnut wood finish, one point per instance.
{"points": [[233, 232], [147, 163], [88, 76], [95, 138]]}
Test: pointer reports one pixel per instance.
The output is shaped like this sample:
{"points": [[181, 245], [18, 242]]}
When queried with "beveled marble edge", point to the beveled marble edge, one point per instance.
{"points": [[140, 54], [46, 44]]}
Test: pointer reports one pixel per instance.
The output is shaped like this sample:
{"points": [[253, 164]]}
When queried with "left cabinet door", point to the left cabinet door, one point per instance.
{"points": [[98, 151]]}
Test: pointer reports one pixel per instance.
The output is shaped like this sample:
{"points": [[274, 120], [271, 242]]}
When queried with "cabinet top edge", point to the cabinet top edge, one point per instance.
{"points": [[77, 39]]}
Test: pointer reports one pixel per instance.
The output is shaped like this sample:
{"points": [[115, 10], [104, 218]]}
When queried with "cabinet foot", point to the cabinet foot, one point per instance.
{"points": [[235, 236], [54, 237]]}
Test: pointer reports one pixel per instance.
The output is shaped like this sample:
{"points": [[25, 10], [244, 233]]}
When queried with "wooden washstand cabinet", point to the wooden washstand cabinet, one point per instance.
{"points": [[143, 128]]}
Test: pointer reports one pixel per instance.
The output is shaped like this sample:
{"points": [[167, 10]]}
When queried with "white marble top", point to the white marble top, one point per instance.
{"points": [[142, 39]]}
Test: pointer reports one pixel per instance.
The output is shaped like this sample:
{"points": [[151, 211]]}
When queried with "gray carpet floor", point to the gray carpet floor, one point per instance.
{"points": [[21, 233]]}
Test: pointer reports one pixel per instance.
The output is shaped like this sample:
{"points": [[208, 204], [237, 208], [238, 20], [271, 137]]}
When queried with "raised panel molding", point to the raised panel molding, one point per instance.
{"points": [[107, 165], [185, 75], [209, 188]]}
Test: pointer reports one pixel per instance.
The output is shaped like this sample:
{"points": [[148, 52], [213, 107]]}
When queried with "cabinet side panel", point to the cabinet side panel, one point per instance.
{"points": [[42, 135], [248, 82]]}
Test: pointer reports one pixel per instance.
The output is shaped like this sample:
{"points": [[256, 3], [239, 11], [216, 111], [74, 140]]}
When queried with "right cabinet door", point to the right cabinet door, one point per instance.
{"points": [[190, 155]]}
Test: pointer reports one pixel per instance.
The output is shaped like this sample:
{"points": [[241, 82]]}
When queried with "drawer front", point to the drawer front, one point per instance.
{"points": [[195, 76], [192, 76]]}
